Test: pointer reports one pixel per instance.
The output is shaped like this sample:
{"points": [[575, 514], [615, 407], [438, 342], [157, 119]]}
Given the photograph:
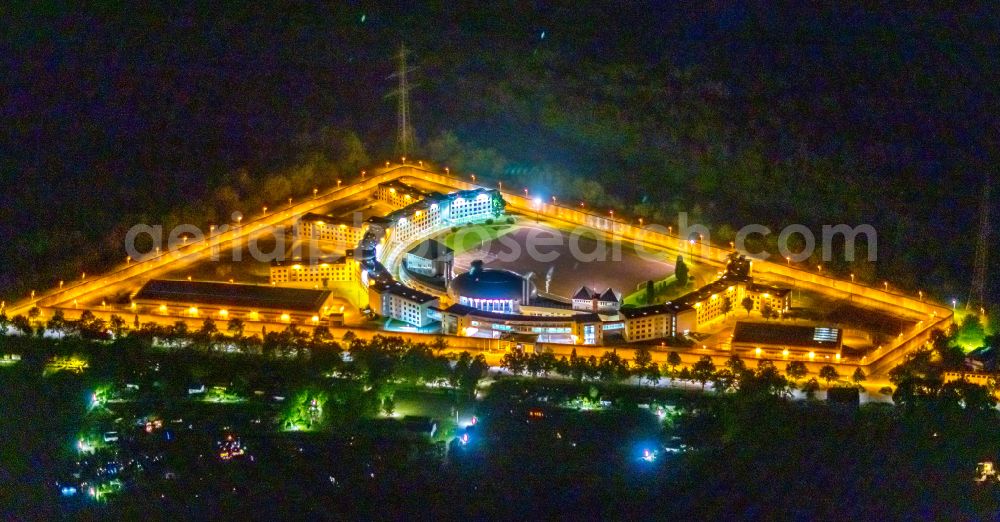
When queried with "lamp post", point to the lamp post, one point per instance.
{"points": [[363, 174], [316, 190], [852, 277], [886, 283]]}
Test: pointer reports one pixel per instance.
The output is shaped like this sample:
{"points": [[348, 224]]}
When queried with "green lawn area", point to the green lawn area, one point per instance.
{"points": [[437, 404], [666, 289], [469, 237]]}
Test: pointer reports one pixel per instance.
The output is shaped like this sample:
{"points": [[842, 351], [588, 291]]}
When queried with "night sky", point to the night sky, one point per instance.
{"points": [[117, 115]]}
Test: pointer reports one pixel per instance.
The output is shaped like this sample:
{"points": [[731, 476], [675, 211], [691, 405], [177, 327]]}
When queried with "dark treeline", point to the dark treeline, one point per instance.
{"points": [[806, 114], [756, 454]]}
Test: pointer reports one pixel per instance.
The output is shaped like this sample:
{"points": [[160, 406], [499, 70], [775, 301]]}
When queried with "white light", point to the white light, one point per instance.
{"points": [[538, 201]]}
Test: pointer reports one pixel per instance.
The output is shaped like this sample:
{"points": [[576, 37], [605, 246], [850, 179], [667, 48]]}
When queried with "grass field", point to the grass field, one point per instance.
{"points": [[470, 237], [666, 289]]}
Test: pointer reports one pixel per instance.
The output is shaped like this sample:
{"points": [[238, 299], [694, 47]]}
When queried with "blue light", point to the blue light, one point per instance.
{"points": [[68, 491]]}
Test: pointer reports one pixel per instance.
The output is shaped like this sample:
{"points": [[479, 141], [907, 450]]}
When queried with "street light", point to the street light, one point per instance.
{"points": [[473, 178], [788, 260], [363, 174], [921, 293], [525, 192], [338, 183], [265, 209], [886, 283], [499, 185], [447, 170], [670, 230], [315, 191], [553, 200], [954, 304], [852, 277]]}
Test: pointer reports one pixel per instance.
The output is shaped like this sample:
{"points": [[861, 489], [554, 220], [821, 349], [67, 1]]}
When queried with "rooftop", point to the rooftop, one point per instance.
{"points": [[434, 198], [671, 307], [401, 290], [488, 283], [403, 188], [233, 295], [463, 310], [432, 249], [586, 293], [787, 335]]}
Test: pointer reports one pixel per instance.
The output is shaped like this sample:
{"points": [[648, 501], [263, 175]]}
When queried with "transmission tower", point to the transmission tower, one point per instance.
{"points": [[977, 292], [405, 137]]}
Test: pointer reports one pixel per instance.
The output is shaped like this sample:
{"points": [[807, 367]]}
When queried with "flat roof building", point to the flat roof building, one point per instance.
{"points": [[392, 299], [228, 300], [784, 341], [430, 258], [580, 328]]}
